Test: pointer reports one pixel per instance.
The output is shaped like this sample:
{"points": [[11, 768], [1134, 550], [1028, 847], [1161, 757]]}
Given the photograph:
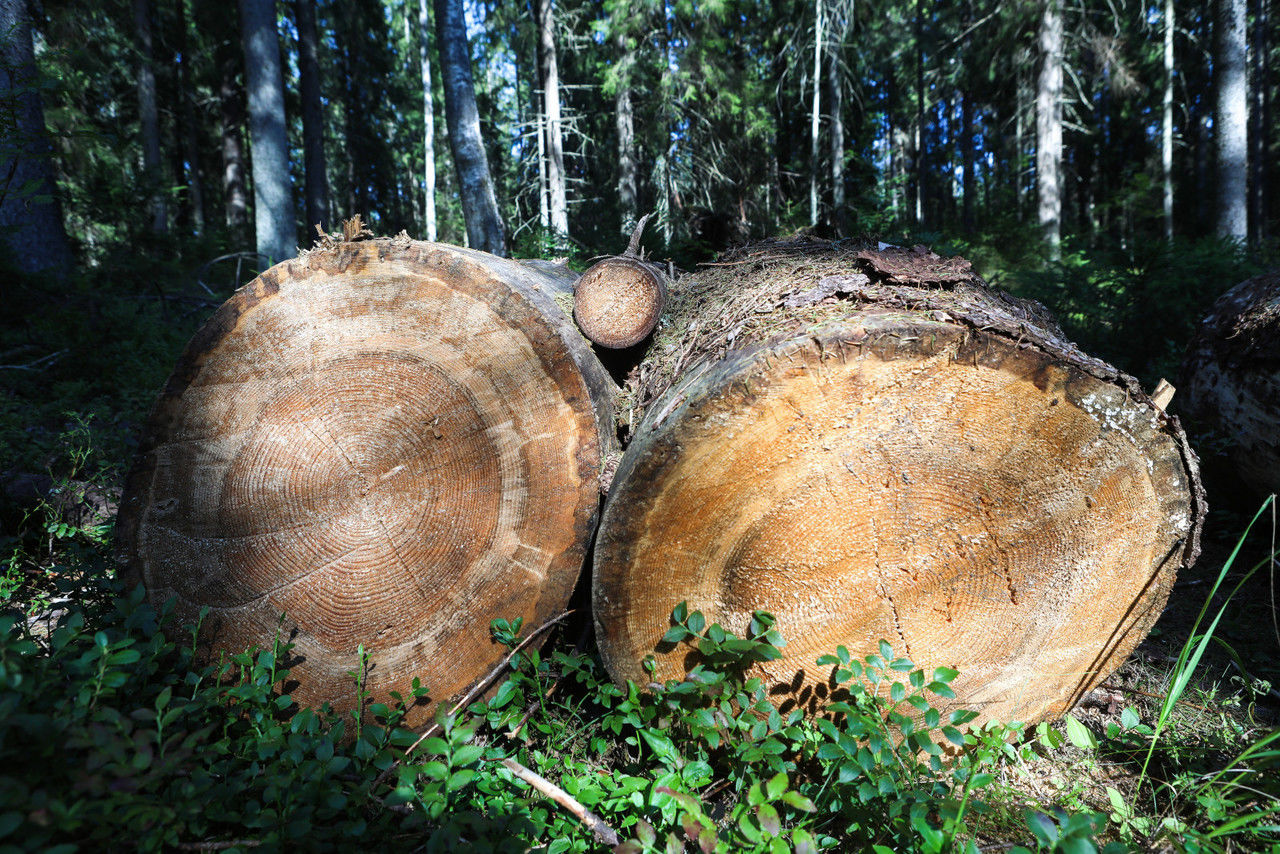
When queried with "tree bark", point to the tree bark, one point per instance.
{"points": [[550, 73], [840, 216], [149, 118], [273, 218], [1231, 120], [1260, 129], [231, 110], [1232, 379], [967, 184], [428, 123], [873, 445], [1049, 128], [190, 128], [485, 230], [30, 214], [1166, 122], [317, 181], [815, 121], [340, 444]]}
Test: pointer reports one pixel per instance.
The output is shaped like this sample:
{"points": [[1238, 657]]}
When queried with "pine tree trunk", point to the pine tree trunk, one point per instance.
{"points": [[317, 181], [149, 117], [1049, 128], [966, 162], [273, 217], [871, 446], [485, 230], [550, 73], [390, 442], [1259, 130], [628, 185], [1230, 120], [30, 214], [428, 123], [1232, 378]]}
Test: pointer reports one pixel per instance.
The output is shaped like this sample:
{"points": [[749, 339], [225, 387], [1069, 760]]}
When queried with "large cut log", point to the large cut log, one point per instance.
{"points": [[874, 445], [390, 442], [1232, 378]]}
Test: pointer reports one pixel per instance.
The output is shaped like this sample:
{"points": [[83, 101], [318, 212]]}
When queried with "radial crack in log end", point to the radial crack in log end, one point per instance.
{"points": [[941, 470], [392, 443]]}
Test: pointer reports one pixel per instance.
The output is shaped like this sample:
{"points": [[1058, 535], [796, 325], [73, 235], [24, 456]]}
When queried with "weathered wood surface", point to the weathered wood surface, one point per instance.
{"points": [[390, 442], [1232, 378], [875, 446], [618, 300]]}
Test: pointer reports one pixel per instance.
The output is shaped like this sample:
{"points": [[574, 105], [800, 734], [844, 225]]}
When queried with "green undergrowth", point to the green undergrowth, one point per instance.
{"points": [[112, 732]]}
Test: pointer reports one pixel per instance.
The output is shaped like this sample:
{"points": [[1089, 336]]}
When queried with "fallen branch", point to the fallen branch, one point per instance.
{"points": [[1108, 686], [603, 833]]}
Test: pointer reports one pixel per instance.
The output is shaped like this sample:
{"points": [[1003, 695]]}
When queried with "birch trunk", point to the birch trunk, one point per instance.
{"points": [[428, 123], [1166, 122], [818, 35], [550, 68]]}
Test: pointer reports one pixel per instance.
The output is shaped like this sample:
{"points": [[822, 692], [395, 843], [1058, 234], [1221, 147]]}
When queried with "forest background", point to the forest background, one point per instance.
{"points": [[1111, 158]]}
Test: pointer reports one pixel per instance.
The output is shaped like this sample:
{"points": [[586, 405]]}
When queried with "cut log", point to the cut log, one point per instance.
{"points": [[619, 299], [390, 442], [875, 446], [1232, 378]]}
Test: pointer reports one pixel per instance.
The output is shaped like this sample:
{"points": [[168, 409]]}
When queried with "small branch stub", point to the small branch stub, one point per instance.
{"points": [[618, 301]]}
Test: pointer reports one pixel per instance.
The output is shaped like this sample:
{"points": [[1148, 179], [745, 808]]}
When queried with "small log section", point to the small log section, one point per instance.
{"points": [[619, 299], [391, 443], [873, 445], [1232, 378]]}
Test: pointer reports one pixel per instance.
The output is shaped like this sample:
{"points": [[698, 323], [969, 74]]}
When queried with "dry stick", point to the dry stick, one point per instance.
{"points": [[476, 690], [603, 833], [577, 648]]}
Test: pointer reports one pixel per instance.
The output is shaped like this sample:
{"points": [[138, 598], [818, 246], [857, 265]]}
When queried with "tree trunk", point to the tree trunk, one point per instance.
{"points": [[967, 183], [628, 184], [1166, 122], [1259, 127], [191, 129], [1049, 128], [815, 121], [273, 218], [30, 215], [1232, 378], [840, 217], [149, 118], [875, 446], [428, 123], [317, 182], [340, 444], [922, 167], [1230, 120], [550, 73], [231, 109], [485, 230]]}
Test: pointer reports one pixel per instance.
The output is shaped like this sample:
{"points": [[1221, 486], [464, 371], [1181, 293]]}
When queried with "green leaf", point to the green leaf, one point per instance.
{"points": [[466, 754], [1080, 735], [798, 801], [661, 746], [1129, 718], [776, 786], [769, 820]]}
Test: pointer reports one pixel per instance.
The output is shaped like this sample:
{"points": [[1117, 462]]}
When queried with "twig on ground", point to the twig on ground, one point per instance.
{"points": [[476, 690], [603, 833]]}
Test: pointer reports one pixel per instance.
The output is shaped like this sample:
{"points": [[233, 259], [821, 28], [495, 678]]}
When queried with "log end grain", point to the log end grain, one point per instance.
{"points": [[388, 442], [618, 301], [978, 502]]}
